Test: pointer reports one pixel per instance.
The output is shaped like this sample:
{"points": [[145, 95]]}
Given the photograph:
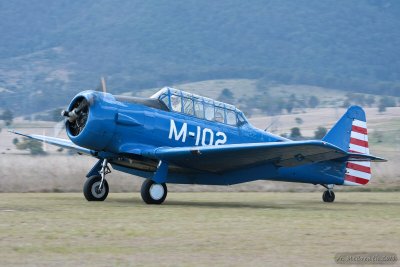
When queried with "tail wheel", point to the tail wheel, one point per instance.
{"points": [[328, 196], [153, 193], [91, 189]]}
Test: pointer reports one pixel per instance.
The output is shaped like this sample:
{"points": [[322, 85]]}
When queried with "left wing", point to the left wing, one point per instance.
{"points": [[57, 142], [223, 158]]}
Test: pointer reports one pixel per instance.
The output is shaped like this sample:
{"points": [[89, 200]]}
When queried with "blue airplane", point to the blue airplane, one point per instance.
{"points": [[179, 137]]}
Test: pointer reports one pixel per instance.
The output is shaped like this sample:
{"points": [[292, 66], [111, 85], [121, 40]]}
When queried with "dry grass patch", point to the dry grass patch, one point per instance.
{"points": [[196, 229]]}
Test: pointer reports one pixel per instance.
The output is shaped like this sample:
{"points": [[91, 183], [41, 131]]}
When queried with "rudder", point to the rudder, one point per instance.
{"points": [[350, 134]]}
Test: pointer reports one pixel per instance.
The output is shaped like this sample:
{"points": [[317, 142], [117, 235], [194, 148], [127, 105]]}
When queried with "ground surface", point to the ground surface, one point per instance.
{"points": [[195, 229]]}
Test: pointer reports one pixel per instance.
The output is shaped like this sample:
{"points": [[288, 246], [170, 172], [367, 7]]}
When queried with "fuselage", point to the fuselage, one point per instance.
{"points": [[129, 127], [167, 128], [125, 121], [178, 137]]}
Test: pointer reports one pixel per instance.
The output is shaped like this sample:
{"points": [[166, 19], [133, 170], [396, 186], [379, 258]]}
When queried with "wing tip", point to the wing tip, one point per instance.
{"points": [[18, 133]]}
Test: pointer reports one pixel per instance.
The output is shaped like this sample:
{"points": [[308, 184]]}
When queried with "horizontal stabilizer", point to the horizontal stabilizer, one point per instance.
{"points": [[364, 157]]}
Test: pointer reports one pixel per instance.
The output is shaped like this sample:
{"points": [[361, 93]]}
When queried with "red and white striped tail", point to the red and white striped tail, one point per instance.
{"points": [[358, 172]]}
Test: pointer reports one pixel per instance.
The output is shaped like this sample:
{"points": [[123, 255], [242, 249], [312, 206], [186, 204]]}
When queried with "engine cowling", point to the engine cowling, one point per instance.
{"points": [[91, 119]]}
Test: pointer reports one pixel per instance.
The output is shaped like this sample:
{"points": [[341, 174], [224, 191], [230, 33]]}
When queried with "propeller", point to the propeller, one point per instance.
{"points": [[103, 85], [59, 127], [76, 118], [76, 112]]}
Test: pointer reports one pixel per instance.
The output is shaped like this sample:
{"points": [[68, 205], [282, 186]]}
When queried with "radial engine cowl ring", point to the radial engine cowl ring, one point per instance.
{"points": [[78, 116]]}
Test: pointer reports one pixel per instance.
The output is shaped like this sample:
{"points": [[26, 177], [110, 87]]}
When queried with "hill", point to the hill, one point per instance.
{"points": [[52, 49]]}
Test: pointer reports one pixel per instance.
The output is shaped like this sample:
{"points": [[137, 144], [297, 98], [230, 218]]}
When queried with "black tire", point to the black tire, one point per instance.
{"points": [[328, 196], [90, 188], [147, 195]]}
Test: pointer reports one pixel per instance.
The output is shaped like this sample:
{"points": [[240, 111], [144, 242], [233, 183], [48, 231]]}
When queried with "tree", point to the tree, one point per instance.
{"points": [[284, 135], [320, 132], [295, 133], [370, 100], [313, 102], [289, 106], [385, 102], [266, 103], [35, 147], [7, 117], [381, 108], [226, 96], [291, 103], [299, 120], [346, 104], [358, 99]]}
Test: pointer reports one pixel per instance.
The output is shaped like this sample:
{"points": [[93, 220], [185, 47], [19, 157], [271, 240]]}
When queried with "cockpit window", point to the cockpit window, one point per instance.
{"points": [[219, 114], [209, 112], [176, 103], [231, 117], [198, 109], [199, 106], [241, 119], [188, 106], [165, 99]]}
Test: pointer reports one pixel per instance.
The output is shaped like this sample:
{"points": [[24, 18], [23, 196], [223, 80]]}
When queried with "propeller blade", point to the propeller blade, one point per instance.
{"points": [[103, 85], [76, 112], [60, 126]]}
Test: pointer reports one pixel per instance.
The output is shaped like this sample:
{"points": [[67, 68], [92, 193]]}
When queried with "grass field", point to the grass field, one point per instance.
{"points": [[195, 229]]}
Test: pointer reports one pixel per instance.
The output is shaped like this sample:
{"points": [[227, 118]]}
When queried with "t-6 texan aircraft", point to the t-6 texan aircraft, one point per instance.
{"points": [[178, 137]]}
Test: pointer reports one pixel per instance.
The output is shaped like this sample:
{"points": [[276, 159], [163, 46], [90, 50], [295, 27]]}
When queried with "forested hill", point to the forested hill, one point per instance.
{"points": [[53, 49]]}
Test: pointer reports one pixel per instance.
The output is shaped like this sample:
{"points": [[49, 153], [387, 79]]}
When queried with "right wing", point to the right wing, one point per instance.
{"points": [[57, 142]]}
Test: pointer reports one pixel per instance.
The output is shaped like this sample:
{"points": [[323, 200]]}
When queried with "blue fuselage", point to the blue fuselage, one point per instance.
{"points": [[128, 129]]}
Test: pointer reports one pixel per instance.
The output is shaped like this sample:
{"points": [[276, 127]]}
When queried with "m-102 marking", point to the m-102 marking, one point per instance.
{"points": [[204, 137]]}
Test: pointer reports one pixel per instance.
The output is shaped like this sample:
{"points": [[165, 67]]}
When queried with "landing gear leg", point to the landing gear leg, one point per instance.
{"points": [[96, 186], [328, 195], [104, 170]]}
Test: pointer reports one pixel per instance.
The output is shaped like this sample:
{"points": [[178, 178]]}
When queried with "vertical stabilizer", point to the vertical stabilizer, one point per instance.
{"points": [[350, 134]]}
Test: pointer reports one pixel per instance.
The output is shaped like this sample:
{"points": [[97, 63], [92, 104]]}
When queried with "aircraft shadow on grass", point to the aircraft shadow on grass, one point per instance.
{"points": [[302, 205]]}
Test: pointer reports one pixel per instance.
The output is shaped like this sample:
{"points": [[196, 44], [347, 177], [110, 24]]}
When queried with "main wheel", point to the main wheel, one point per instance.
{"points": [[328, 196], [153, 193], [91, 189]]}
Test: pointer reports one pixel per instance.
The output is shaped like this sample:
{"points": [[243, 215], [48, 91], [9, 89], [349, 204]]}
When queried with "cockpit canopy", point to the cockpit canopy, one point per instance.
{"points": [[200, 107]]}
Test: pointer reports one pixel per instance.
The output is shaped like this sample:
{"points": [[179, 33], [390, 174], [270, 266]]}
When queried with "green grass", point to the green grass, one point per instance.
{"points": [[195, 229]]}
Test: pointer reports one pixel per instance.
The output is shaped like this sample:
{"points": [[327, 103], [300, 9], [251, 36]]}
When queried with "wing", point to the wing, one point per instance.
{"points": [[223, 158], [57, 142]]}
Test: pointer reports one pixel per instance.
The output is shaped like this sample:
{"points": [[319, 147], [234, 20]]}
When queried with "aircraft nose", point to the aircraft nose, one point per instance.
{"points": [[90, 119], [78, 111]]}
